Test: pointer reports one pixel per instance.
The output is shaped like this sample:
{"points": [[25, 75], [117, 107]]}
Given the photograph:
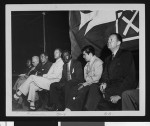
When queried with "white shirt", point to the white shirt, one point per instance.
{"points": [[55, 71], [93, 70]]}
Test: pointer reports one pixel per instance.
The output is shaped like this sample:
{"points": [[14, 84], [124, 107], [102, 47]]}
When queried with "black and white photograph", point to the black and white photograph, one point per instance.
{"points": [[75, 60]]}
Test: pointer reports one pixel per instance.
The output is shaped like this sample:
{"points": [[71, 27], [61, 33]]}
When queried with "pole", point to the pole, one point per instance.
{"points": [[44, 31]]}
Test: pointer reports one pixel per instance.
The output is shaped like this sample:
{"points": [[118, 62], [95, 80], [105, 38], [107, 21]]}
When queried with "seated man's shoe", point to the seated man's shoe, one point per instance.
{"points": [[32, 108], [67, 110]]}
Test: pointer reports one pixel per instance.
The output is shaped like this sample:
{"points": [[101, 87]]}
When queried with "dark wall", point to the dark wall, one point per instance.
{"points": [[27, 35]]}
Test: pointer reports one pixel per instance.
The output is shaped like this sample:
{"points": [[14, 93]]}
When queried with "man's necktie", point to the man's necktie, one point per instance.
{"points": [[68, 73], [113, 56]]}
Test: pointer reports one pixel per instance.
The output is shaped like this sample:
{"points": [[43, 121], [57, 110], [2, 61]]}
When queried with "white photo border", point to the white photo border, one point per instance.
{"points": [[66, 7]]}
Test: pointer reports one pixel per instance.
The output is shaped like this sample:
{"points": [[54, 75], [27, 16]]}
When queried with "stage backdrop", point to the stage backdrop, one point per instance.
{"points": [[94, 27]]}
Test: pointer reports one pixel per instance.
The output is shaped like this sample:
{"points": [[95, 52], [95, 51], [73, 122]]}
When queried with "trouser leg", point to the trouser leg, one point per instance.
{"points": [[77, 98], [24, 88], [130, 100], [93, 98], [53, 94], [67, 92], [32, 92]]}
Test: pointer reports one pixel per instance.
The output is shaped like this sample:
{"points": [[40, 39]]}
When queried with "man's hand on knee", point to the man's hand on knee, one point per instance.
{"points": [[115, 99], [103, 87]]}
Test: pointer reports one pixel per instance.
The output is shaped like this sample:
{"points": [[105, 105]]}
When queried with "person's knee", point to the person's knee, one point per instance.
{"points": [[31, 76], [127, 93], [52, 85], [32, 84], [84, 90], [94, 88], [67, 87]]}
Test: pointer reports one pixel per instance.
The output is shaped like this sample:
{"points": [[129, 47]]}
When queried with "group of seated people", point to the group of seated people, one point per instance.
{"points": [[108, 85]]}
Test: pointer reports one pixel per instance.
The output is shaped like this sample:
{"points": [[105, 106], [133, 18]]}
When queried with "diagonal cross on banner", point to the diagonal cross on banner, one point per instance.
{"points": [[130, 24]]}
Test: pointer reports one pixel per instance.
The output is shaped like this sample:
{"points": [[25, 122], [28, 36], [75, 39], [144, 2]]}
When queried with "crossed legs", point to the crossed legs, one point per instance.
{"points": [[28, 88]]}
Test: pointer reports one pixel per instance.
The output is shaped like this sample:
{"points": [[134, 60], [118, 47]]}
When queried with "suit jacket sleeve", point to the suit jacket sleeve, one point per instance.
{"points": [[44, 69]]}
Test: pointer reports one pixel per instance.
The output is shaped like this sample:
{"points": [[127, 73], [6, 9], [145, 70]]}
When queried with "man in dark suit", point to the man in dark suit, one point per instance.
{"points": [[71, 76], [118, 75]]}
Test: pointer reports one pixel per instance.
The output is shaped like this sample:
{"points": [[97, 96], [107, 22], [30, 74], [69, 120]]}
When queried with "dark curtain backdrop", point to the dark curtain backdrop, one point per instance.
{"points": [[27, 35]]}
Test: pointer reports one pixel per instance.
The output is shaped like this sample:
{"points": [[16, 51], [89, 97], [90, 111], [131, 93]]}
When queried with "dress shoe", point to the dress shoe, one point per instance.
{"points": [[67, 110], [32, 108]]}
